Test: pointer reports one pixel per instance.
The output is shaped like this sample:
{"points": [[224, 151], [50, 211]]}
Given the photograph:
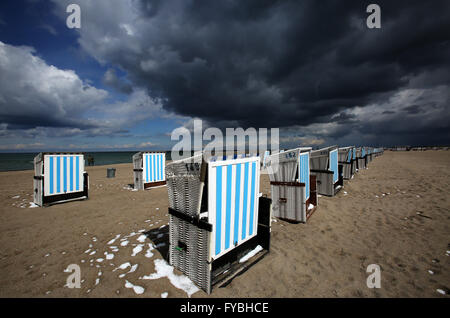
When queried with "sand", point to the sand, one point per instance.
{"points": [[394, 214]]}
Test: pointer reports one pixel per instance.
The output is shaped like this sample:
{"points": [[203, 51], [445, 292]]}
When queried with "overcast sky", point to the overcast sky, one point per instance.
{"points": [[138, 69]]}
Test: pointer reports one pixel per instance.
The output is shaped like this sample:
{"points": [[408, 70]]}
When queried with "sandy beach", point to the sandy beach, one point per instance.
{"points": [[395, 214]]}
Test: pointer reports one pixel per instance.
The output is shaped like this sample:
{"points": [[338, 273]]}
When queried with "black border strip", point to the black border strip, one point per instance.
{"points": [[193, 220]]}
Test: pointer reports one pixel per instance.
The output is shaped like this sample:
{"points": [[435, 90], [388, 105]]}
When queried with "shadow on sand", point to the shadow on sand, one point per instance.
{"points": [[160, 239]]}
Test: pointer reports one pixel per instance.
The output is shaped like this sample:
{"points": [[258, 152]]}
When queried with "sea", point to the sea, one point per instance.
{"points": [[24, 161]]}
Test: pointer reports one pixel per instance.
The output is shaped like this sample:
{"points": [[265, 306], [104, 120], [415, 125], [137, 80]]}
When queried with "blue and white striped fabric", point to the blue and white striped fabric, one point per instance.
{"points": [[303, 171], [63, 174], [334, 165], [233, 188], [154, 167]]}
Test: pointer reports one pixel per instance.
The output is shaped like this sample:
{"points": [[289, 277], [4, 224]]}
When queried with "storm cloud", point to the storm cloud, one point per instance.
{"points": [[312, 68], [273, 63]]}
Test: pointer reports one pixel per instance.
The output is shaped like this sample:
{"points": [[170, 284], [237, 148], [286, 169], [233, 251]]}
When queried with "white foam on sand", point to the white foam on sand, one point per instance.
{"points": [[440, 291], [99, 260], [137, 249], [179, 281], [114, 239], [149, 253], [132, 270], [33, 205], [109, 256], [310, 206], [251, 254], [141, 238], [164, 295], [123, 266], [124, 243], [16, 197], [137, 289]]}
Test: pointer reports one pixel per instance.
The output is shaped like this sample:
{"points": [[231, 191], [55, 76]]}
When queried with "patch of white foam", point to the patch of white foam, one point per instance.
{"points": [[16, 197], [99, 260], [440, 291], [137, 289], [137, 249], [141, 238], [310, 206], [149, 253], [114, 239], [133, 268], [124, 243], [179, 281], [33, 205], [123, 266], [109, 256], [164, 295], [92, 253], [251, 254]]}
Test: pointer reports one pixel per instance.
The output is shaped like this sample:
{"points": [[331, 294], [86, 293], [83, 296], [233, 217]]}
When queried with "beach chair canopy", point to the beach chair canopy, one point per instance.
{"points": [[230, 203], [63, 173], [326, 159], [291, 166], [153, 165], [346, 154]]}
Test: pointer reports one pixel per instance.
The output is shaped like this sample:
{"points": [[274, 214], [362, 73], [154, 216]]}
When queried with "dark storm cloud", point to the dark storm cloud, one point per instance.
{"points": [[310, 65], [279, 63]]}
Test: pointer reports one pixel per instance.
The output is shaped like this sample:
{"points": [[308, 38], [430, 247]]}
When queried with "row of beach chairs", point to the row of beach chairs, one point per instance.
{"points": [[219, 222]]}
